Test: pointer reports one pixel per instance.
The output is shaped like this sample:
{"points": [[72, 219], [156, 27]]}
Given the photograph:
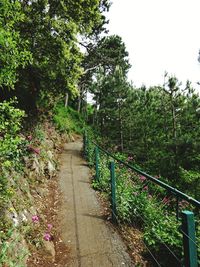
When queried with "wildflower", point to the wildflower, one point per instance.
{"points": [[142, 178], [49, 226], [145, 188], [165, 200], [35, 219], [34, 149], [135, 193], [47, 237], [11, 209], [29, 137]]}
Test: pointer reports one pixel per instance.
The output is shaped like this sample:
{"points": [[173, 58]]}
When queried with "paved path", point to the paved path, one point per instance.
{"points": [[92, 242]]}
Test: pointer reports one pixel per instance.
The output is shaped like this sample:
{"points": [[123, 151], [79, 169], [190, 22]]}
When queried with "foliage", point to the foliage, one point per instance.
{"points": [[12, 148], [14, 52], [190, 181], [12, 145], [140, 204], [40, 56], [100, 63], [7, 257], [152, 125], [24, 162], [67, 120], [107, 53]]}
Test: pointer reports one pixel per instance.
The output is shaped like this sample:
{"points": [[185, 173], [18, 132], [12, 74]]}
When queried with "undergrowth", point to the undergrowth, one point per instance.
{"points": [[143, 205], [67, 120], [26, 162]]}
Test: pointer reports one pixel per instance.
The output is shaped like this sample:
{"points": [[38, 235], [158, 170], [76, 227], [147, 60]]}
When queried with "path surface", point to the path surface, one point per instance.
{"points": [[92, 242]]}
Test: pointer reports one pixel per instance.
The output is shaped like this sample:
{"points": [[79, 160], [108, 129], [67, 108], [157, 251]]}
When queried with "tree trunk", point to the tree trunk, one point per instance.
{"points": [[120, 130], [174, 134], [79, 104], [66, 99]]}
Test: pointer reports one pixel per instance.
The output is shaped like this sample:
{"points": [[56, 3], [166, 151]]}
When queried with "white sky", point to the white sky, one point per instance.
{"points": [[160, 35]]}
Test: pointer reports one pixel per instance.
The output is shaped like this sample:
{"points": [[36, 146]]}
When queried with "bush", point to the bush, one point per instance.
{"points": [[12, 144]]}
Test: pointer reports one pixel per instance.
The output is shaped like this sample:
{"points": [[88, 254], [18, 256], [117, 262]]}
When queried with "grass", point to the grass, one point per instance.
{"points": [[67, 120]]}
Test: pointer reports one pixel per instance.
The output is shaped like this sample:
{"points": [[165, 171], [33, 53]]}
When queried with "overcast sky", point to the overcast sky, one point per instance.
{"points": [[160, 35]]}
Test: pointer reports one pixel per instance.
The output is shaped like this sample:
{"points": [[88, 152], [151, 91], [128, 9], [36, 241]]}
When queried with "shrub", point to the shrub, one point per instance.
{"points": [[12, 145]]}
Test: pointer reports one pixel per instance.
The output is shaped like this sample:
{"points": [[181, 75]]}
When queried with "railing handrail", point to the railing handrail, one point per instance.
{"points": [[153, 179]]}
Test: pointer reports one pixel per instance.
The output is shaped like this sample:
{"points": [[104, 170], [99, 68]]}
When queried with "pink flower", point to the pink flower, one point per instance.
{"points": [[165, 200], [35, 219], [142, 178], [29, 137], [34, 149], [49, 226], [47, 237], [145, 188]]}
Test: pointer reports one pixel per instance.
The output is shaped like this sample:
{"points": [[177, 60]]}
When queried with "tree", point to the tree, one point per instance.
{"points": [[110, 99], [104, 55], [50, 30], [14, 50]]}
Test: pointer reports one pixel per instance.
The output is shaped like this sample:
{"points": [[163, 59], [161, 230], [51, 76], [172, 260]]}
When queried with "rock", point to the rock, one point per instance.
{"points": [[12, 215], [15, 219], [49, 250], [36, 165], [50, 154], [72, 138], [51, 169], [23, 217]]}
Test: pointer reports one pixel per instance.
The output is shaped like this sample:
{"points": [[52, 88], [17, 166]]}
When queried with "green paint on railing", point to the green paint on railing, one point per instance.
{"points": [[189, 239], [188, 224], [169, 188], [97, 163], [85, 145], [113, 192]]}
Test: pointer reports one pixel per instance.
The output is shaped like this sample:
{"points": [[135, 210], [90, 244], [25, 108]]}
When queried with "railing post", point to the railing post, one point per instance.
{"points": [[113, 192], [86, 147], [97, 163], [85, 144], [88, 150], [189, 239], [177, 207]]}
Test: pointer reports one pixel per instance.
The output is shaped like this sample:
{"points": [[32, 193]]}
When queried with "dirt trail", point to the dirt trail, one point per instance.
{"points": [[92, 242]]}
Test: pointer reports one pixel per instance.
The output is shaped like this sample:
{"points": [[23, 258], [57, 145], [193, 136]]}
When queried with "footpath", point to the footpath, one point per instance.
{"points": [[92, 241]]}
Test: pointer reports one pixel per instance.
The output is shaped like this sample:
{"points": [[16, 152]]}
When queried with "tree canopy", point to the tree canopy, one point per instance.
{"points": [[40, 55]]}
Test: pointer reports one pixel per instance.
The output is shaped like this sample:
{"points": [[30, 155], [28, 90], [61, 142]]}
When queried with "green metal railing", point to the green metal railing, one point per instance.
{"points": [[187, 217]]}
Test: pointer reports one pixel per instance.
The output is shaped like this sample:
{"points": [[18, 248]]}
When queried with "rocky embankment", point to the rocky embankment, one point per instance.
{"points": [[29, 232]]}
